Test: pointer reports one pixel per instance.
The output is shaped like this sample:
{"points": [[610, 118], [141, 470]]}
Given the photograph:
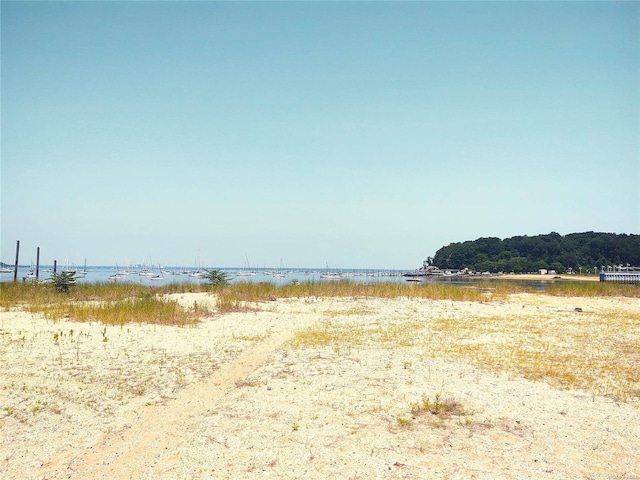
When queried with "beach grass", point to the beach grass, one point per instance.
{"points": [[144, 308], [108, 303], [501, 288], [240, 296], [244, 295], [132, 302], [593, 289]]}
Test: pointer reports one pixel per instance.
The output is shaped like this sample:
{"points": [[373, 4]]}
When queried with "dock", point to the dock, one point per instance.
{"points": [[620, 277]]}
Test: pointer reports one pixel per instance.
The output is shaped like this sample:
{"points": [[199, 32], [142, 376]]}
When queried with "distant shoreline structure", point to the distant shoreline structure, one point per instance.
{"points": [[620, 277]]}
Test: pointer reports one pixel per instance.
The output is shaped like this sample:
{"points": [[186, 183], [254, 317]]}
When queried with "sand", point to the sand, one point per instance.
{"points": [[238, 396], [547, 277]]}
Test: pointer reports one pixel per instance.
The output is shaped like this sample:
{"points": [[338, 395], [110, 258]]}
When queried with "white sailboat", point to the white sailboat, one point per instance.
{"points": [[281, 273], [117, 275], [66, 268], [328, 275], [31, 276], [82, 273], [247, 272], [199, 272], [146, 272], [160, 275]]}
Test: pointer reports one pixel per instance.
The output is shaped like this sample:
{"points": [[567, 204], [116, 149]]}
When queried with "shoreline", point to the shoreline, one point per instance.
{"points": [[546, 278], [533, 277]]}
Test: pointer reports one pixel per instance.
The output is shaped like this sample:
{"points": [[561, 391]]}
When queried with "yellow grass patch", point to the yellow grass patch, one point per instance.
{"points": [[594, 351]]}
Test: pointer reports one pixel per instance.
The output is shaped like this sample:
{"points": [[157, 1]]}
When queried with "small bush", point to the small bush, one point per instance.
{"points": [[63, 281], [217, 278]]}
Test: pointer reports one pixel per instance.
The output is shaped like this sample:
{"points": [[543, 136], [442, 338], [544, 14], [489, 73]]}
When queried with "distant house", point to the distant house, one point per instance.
{"points": [[542, 271], [431, 270]]}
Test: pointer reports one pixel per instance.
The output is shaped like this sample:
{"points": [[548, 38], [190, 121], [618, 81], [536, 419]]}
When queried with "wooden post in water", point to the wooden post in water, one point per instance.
{"points": [[38, 264], [15, 271], [55, 265]]}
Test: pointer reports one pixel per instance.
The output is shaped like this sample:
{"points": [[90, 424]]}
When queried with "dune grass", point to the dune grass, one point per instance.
{"points": [[121, 302], [239, 296], [144, 308], [29, 293], [108, 303], [593, 289], [563, 288]]}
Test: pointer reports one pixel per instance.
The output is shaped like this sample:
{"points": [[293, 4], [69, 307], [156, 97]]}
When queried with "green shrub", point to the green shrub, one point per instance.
{"points": [[217, 278], [63, 281]]}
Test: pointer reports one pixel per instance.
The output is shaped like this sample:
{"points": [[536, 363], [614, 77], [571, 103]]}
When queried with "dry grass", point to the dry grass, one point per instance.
{"points": [[596, 351], [245, 295], [145, 308], [443, 407], [110, 304]]}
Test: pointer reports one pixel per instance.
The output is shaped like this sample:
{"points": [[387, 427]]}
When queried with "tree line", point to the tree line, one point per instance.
{"points": [[578, 252]]}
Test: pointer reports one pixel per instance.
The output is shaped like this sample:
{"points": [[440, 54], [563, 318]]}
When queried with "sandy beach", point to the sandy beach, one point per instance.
{"points": [[542, 278], [538, 387]]}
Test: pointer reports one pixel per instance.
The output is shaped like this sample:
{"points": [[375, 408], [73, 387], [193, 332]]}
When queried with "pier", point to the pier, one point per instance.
{"points": [[620, 277]]}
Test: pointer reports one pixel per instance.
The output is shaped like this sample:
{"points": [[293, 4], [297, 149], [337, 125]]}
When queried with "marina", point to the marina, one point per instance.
{"points": [[168, 275]]}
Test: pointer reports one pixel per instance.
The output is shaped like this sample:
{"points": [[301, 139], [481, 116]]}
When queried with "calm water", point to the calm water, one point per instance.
{"points": [[178, 275], [278, 276]]}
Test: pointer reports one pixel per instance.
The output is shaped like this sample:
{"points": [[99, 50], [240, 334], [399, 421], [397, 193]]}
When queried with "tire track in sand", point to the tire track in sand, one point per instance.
{"points": [[145, 446]]}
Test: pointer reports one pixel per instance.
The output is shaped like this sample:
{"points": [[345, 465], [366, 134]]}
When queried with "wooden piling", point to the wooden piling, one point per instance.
{"points": [[15, 271], [38, 264]]}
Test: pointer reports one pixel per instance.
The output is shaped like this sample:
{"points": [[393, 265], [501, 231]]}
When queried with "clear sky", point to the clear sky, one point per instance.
{"points": [[353, 134]]}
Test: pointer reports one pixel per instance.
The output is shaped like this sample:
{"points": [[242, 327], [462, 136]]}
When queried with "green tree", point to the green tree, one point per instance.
{"points": [[558, 267], [217, 278], [63, 281], [526, 254]]}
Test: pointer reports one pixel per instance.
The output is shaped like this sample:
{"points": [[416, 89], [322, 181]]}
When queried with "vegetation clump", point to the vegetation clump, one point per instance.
{"points": [[217, 278], [63, 281], [438, 406]]}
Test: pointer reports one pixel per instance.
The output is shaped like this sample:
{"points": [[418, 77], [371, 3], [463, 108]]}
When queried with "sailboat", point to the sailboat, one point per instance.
{"points": [[199, 273], [117, 275], [160, 276], [247, 272], [66, 268], [31, 276], [281, 273], [82, 273], [145, 272], [328, 275]]}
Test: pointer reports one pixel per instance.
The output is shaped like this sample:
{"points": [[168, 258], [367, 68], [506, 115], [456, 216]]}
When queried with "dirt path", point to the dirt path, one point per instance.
{"points": [[145, 445]]}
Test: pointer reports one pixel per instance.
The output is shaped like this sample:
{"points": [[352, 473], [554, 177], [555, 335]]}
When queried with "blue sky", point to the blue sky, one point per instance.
{"points": [[359, 135]]}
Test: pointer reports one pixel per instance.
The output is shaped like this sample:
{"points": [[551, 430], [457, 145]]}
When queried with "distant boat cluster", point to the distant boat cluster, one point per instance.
{"points": [[150, 273], [243, 273], [159, 273]]}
